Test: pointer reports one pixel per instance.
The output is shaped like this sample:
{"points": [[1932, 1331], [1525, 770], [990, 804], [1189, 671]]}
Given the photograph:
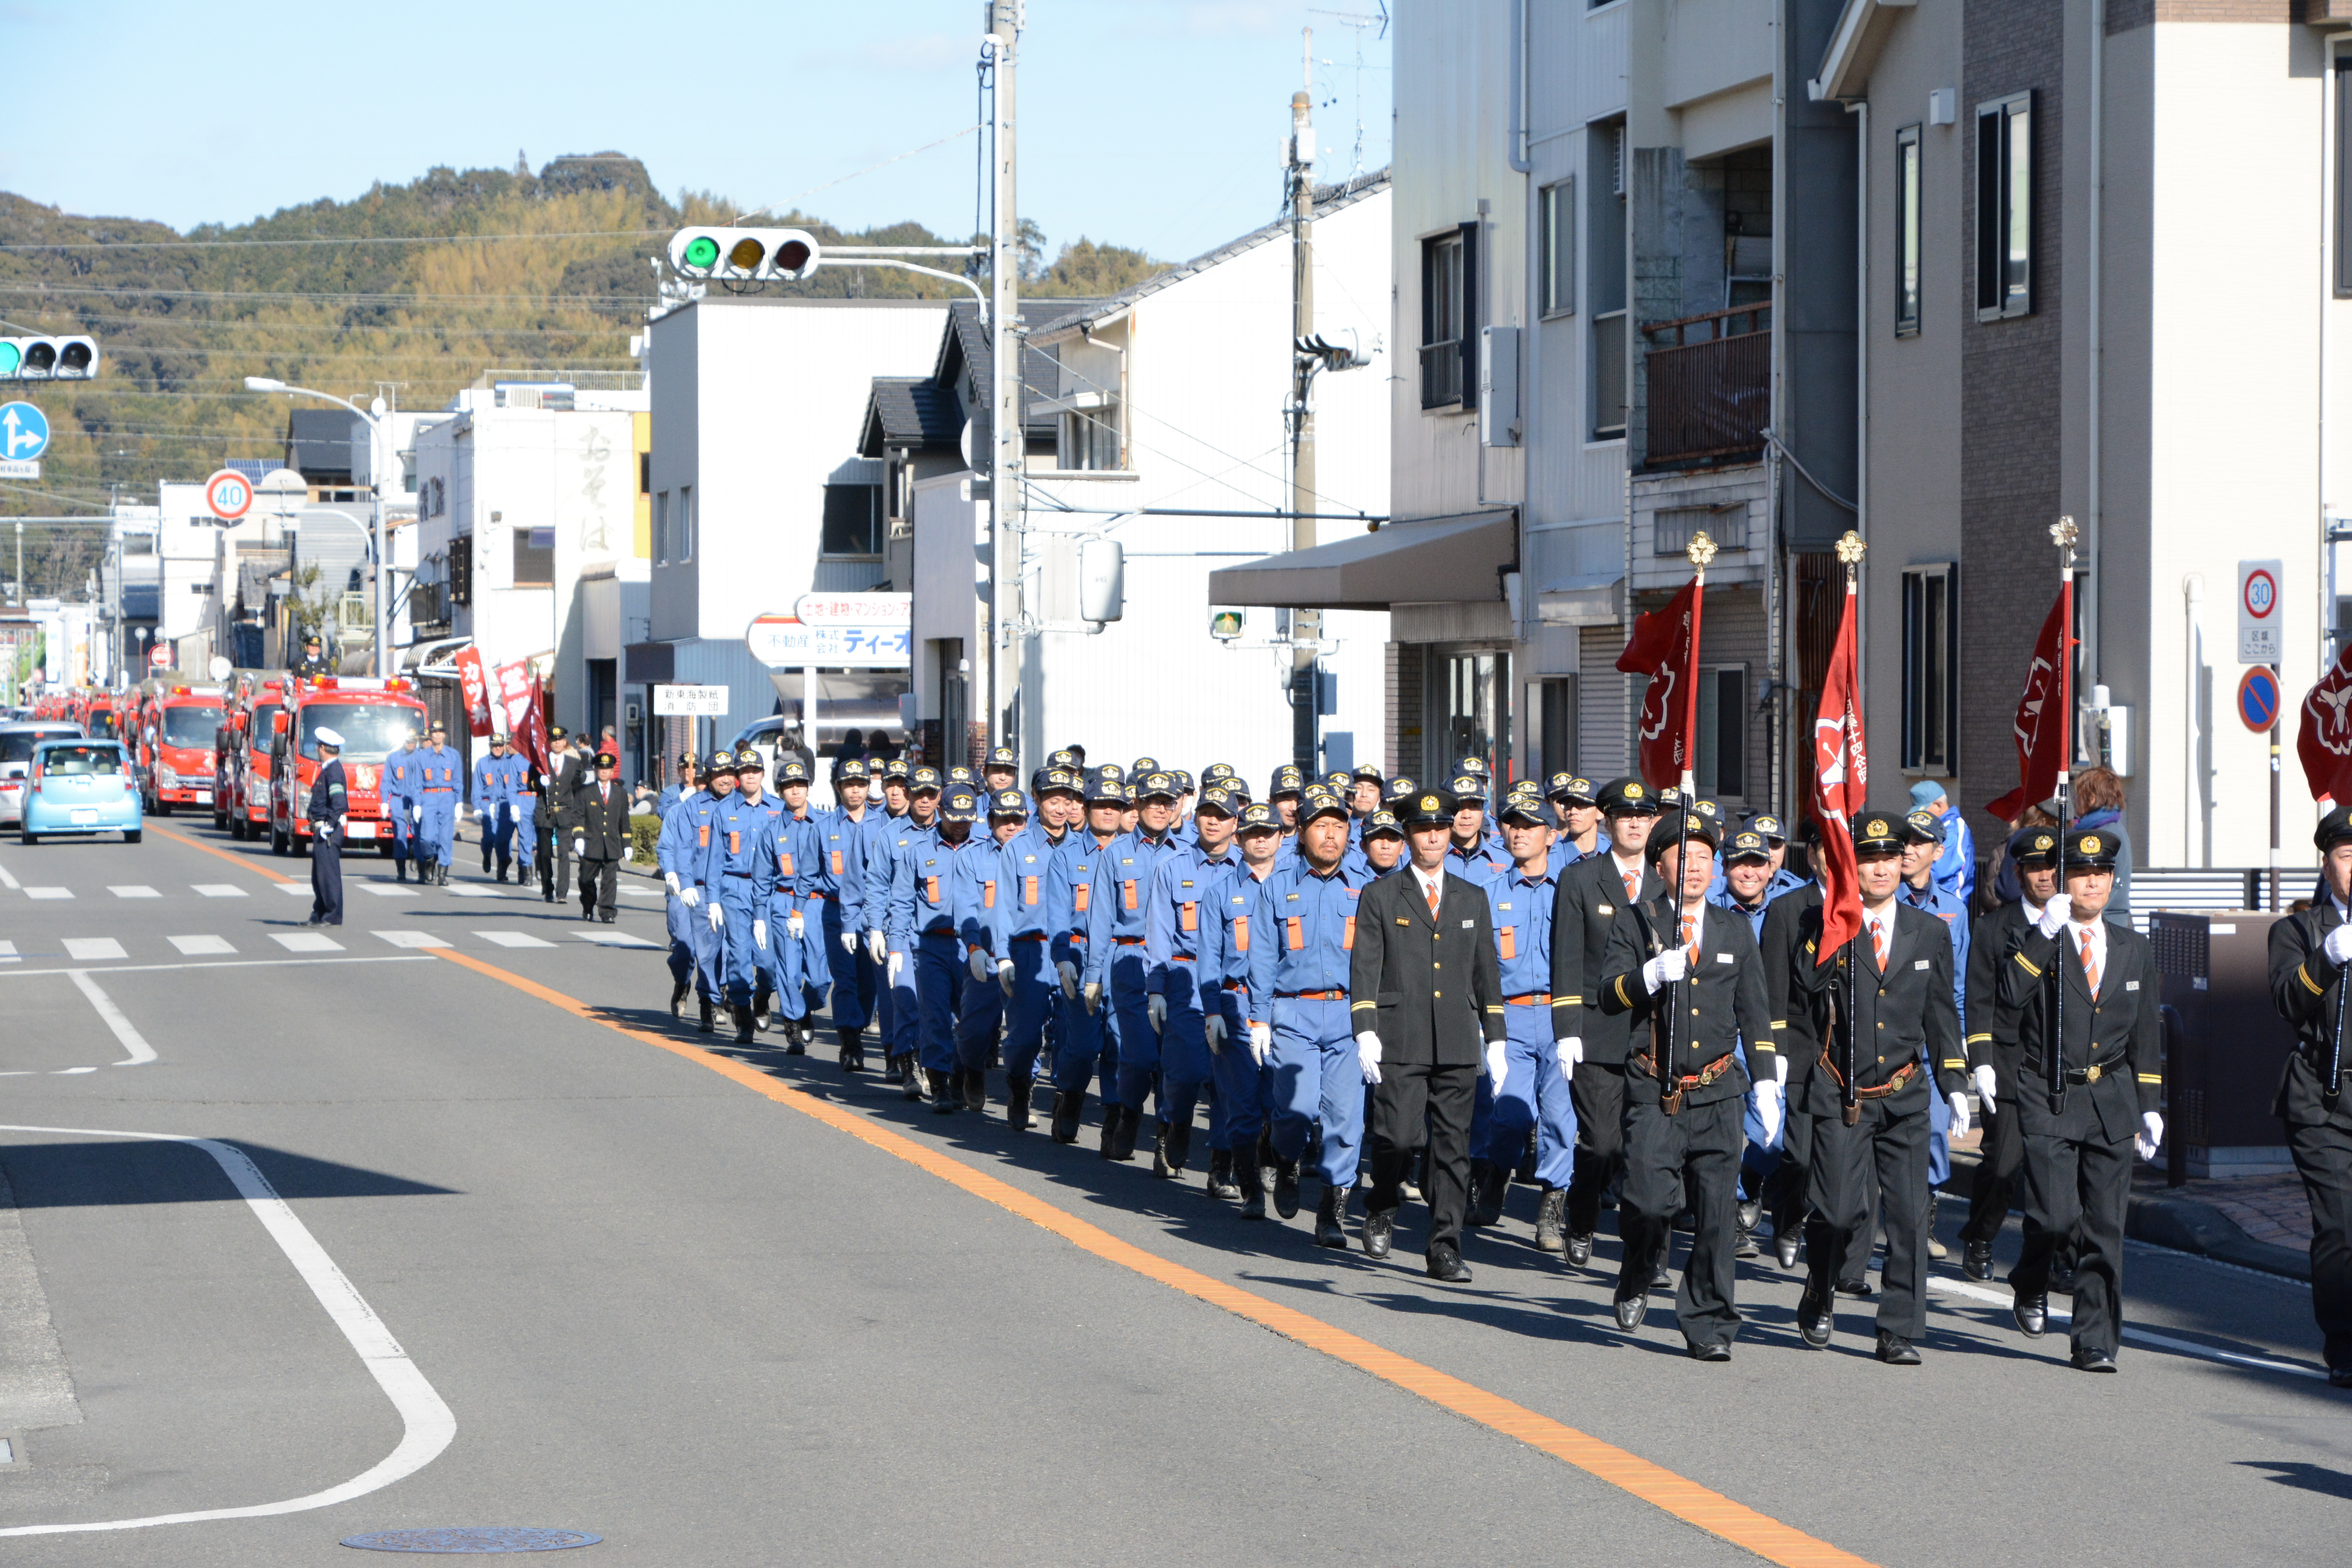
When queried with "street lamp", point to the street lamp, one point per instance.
{"points": [[378, 449]]}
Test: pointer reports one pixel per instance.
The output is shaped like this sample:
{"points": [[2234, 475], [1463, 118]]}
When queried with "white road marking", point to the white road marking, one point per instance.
{"points": [[428, 1424], [218, 963], [48, 893], [69, 1072], [612, 938], [386, 889], [218, 889], [134, 892], [7, 950], [2136, 1335], [89, 949], [469, 890], [411, 939], [202, 946], [299, 889], [6, 881], [129, 1037], [305, 941], [511, 938]]}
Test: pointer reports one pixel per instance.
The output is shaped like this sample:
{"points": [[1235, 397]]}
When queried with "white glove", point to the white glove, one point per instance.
{"points": [[669, 881], [1157, 1005], [1005, 975], [760, 935], [689, 897], [1959, 1128], [978, 965], [627, 851], [878, 947], [1261, 1041], [796, 924], [1768, 1109], [717, 918], [1213, 1027], [1570, 1055], [849, 942], [579, 848], [1666, 969], [2338, 946], [415, 814], [1780, 1071], [2148, 1145], [1068, 975], [897, 963], [1498, 1064], [2057, 913], [1367, 1055], [342, 824], [1988, 1086], [1093, 997]]}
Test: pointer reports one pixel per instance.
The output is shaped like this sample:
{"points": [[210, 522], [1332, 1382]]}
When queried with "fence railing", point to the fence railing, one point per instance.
{"points": [[1709, 384]]}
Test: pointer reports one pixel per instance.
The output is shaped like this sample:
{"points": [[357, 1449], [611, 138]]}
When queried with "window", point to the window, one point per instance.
{"points": [[1673, 528], [1556, 248], [1931, 669], [1448, 317], [661, 529], [534, 557], [2005, 208], [1553, 742], [686, 523], [1088, 438], [853, 520], [1604, 281], [1723, 731], [645, 473], [1907, 232], [1470, 711]]}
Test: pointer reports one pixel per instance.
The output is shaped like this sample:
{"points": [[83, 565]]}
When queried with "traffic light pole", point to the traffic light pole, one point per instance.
{"points": [[1305, 624], [1008, 437]]}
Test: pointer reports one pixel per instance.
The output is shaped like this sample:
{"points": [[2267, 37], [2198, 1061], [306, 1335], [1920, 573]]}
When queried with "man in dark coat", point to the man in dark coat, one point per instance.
{"points": [[599, 831]]}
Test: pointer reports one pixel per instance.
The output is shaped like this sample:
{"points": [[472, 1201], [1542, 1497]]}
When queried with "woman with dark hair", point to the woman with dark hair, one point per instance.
{"points": [[2099, 803]]}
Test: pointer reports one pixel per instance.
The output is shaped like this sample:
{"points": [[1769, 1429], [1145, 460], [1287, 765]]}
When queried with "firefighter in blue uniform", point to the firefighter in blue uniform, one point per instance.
{"points": [[984, 884], [752, 792], [495, 782], [399, 797], [923, 894], [675, 855], [440, 779], [803, 963], [1378, 848], [739, 870], [1185, 996], [1474, 853], [1086, 1047], [1576, 802], [710, 942], [1026, 939], [901, 1008], [1301, 944], [1115, 957], [847, 835], [329, 805], [1229, 917], [1533, 1092]]}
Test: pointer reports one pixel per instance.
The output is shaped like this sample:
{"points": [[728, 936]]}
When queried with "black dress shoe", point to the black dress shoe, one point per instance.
{"points": [[1660, 1280], [1743, 1244], [1330, 1211], [1379, 1231], [547, 898], [1860, 1290], [1709, 1352], [1815, 1321], [1976, 1259], [1895, 1351], [1629, 1310], [2088, 1358], [1286, 1188], [1445, 1264], [1784, 1249], [2031, 1314], [2061, 1278], [1490, 1186], [1577, 1249], [2339, 1377], [1751, 1214]]}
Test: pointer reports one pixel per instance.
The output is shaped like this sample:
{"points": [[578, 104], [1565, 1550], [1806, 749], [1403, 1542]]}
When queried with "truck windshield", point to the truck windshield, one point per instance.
{"points": [[265, 717], [369, 729], [104, 723], [190, 726]]}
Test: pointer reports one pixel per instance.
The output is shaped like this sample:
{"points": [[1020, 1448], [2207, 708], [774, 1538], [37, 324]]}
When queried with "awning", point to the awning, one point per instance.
{"points": [[1435, 560]]}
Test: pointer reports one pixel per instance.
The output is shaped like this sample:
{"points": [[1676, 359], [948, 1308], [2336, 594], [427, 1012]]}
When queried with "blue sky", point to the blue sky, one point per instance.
{"points": [[1148, 123]]}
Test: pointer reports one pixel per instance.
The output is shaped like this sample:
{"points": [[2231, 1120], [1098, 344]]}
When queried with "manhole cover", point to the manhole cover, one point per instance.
{"points": [[454, 1540]]}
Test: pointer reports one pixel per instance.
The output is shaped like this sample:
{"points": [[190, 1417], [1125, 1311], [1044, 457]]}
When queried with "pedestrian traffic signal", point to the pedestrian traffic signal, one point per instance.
{"points": [[48, 359], [744, 255]]}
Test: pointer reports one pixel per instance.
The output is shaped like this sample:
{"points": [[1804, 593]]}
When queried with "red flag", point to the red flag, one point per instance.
{"points": [[530, 729], [1659, 649], [1841, 787], [2040, 727], [2324, 739], [477, 684]]}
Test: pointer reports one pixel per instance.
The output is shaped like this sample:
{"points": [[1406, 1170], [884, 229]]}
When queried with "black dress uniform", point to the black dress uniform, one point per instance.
{"points": [[1434, 1024], [600, 819], [1993, 1044], [2078, 1136], [1895, 1019], [1684, 1114], [325, 809], [1591, 894], [555, 817], [1797, 1036], [2307, 989]]}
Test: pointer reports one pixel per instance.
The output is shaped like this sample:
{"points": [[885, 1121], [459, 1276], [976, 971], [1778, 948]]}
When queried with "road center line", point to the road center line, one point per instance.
{"points": [[427, 1425], [1654, 1484], [141, 1051], [246, 861]]}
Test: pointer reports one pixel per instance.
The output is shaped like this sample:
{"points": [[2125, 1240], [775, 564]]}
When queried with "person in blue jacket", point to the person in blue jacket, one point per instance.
{"points": [[496, 779], [677, 855], [1087, 1050], [1184, 994], [400, 778], [900, 1006], [1116, 907], [738, 872], [847, 835], [440, 780], [1025, 938], [937, 882]]}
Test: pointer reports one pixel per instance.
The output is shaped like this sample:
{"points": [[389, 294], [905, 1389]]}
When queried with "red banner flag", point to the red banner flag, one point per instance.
{"points": [[2041, 726], [2324, 739], [1659, 649], [1841, 787], [530, 729], [476, 685]]}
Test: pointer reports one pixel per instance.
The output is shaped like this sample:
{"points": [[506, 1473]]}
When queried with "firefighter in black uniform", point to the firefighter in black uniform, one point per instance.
{"points": [[1688, 973], [2088, 1081], [329, 802], [599, 831], [313, 662], [1797, 1039], [562, 781], [1584, 910], [1893, 1039], [2309, 952], [1993, 1045]]}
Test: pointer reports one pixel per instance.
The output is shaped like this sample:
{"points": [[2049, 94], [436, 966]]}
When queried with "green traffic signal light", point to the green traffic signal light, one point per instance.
{"points": [[702, 253], [11, 356]]}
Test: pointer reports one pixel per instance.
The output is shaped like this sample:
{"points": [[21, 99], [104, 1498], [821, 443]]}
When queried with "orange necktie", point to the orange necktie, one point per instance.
{"points": [[1433, 900], [2090, 964], [1633, 886], [1878, 945], [1690, 936]]}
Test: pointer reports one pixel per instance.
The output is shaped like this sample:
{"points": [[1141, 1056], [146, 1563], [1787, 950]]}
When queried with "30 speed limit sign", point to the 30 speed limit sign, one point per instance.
{"points": [[228, 495], [2259, 639]]}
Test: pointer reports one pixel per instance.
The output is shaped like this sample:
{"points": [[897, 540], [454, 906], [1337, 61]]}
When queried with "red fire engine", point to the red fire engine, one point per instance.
{"points": [[374, 717], [177, 728]]}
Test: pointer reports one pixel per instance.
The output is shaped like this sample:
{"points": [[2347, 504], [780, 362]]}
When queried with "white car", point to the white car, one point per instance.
{"points": [[16, 743]]}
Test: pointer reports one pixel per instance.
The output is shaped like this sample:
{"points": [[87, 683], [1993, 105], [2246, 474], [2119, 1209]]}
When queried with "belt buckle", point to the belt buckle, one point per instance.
{"points": [[2091, 1073]]}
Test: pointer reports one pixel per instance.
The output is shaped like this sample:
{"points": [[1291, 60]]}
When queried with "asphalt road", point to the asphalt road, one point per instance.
{"points": [[717, 1326]]}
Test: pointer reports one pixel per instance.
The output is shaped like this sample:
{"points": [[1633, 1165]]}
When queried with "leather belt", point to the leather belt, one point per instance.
{"points": [[1129, 940], [1530, 999], [1714, 1072], [1031, 936], [1180, 957], [1902, 1075], [1315, 995], [2039, 1072]]}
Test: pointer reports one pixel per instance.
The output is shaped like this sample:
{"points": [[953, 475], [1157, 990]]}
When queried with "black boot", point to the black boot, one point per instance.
{"points": [[1016, 1104], [945, 1095], [678, 999], [975, 1089], [853, 1050], [1177, 1145], [1552, 1220], [1069, 1105], [1489, 1185], [1130, 1127], [1110, 1112], [1159, 1165], [1286, 1187], [709, 1013], [1251, 1177], [1220, 1175], [796, 1036], [743, 1025], [400, 870], [762, 1014], [1330, 1211], [910, 1077]]}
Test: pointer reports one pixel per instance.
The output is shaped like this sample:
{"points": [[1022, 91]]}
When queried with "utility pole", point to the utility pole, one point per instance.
{"points": [[1306, 625], [1008, 439]]}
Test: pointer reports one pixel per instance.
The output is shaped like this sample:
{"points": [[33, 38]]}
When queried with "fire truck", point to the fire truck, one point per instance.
{"points": [[178, 727], [99, 718], [243, 790], [374, 717]]}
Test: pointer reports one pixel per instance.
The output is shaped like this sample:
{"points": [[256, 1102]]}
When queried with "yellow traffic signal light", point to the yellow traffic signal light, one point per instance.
{"points": [[744, 255]]}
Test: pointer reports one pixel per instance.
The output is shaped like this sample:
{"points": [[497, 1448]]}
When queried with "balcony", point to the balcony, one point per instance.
{"points": [[1709, 384]]}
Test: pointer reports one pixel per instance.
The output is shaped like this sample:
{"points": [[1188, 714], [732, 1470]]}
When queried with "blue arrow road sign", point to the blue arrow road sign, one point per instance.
{"points": [[2258, 698], [23, 432]]}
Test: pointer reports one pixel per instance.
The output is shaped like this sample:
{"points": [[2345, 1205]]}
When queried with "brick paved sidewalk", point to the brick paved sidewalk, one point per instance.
{"points": [[2267, 1208]]}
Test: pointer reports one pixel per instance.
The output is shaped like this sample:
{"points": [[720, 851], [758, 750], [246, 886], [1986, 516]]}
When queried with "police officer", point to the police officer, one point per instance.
{"points": [[1895, 1032], [1122, 877], [2308, 956], [440, 777], [1184, 994], [2087, 992], [600, 838], [1534, 1092], [1300, 1034], [493, 801], [400, 798], [328, 803], [1993, 1048], [1087, 1046], [1692, 983], [1589, 898]]}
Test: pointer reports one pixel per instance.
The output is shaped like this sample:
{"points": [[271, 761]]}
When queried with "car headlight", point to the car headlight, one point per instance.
{"points": [[170, 777]]}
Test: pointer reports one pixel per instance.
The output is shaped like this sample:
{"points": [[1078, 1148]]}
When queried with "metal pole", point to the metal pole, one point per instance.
{"points": [[1305, 624], [1701, 550], [2063, 533], [2275, 715], [1007, 436], [378, 451]]}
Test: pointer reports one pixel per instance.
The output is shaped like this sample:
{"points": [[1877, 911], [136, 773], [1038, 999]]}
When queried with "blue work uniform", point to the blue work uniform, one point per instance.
{"points": [[1086, 1045], [1181, 955], [1228, 921], [1121, 879], [922, 923], [843, 844], [979, 885], [1535, 1093], [1301, 942], [1760, 1154], [495, 783], [440, 779], [777, 904], [399, 787], [685, 829], [803, 975], [738, 866], [1024, 934], [1948, 908], [1482, 863], [1956, 866], [895, 997]]}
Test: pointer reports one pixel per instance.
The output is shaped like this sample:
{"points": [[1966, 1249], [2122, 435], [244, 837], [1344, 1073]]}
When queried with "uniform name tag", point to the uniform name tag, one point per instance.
{"points": [[2131, 985], [1918, 963], [1190, 914], [783, 862], [1348, 936], [837, 862], [1241, 934], [1029, 888], [1469, 925], [1129, 890], [1602, 910], [931, 888], [1295, 929], [1725, 958]]}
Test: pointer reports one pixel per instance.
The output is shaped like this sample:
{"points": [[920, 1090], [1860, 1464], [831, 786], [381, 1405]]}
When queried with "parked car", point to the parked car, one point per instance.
{"points": [[80, 785], [16, 743]]}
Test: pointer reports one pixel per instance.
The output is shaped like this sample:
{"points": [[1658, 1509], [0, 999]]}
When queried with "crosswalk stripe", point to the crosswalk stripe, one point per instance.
{"points": [[305, 941], [134, 892], [48, 893], [386, 889], [202, 946], [90, 948], [218, 889], [511, 938], [411, 939], [612, 939], [8, 951], [469, 890], [299, 889]]}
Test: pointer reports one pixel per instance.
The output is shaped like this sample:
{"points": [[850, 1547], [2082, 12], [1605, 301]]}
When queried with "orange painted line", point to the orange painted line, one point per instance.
{"points": [[246, 861], [1654, 1484]]}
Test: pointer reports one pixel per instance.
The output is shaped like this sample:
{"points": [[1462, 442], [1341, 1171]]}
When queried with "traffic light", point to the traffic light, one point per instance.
{"points": [[744, 255], [48, 359]]}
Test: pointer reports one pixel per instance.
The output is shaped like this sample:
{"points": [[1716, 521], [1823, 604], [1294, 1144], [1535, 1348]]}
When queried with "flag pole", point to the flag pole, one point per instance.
{"points": [[1851, 549], [2062, 534], [1700, 551]]}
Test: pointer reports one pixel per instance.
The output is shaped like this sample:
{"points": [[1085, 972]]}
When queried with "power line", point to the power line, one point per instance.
{"points": [[346, 298], [203, 324], [330, 240]]}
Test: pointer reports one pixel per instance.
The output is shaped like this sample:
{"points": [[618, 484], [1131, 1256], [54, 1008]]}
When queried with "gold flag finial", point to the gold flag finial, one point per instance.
{"points": [[1701, 550], [1851, 548], [2063, 533]]}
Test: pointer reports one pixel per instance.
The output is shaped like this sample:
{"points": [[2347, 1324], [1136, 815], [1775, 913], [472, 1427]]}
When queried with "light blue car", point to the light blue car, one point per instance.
{"points": [[80, 786]]}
